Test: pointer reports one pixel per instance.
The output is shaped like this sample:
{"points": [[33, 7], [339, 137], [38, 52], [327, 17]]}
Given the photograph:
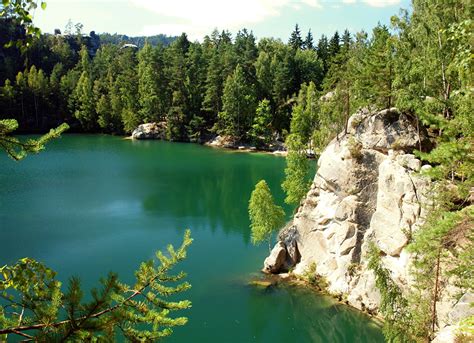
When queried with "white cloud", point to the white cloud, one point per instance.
{"points": [[382, 3], [374, 3], [192, 31], [312, 3], [200, 17]]}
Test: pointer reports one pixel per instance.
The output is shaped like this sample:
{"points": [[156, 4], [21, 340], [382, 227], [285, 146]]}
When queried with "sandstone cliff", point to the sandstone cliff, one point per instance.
{"points": [[367, 188]]}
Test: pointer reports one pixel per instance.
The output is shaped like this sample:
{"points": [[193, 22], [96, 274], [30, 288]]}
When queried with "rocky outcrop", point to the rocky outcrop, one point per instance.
{"points": [[276, 261], [150, 131], [366, 189], [276, 146]]}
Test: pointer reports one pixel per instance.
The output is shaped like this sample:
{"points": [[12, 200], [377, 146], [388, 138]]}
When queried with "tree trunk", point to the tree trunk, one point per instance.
{"points": [[435, 294]]}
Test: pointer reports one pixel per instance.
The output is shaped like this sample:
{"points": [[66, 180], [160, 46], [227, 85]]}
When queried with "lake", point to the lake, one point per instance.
{"points": [[91, 204]]}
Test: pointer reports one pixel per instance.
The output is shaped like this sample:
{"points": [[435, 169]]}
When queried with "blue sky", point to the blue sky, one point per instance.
{"points": [[266, 18]]}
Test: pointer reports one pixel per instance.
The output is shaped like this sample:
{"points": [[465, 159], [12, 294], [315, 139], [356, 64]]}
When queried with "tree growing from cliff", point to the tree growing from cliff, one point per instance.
{"points": [[265, 216], [296, 183]]}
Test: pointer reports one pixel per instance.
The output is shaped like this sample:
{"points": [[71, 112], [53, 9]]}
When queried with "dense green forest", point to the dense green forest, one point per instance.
{"points": [[95, 83]]}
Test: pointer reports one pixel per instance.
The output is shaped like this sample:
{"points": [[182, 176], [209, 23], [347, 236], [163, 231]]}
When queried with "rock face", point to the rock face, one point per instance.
{"points": [[366, 189], [276, 261], [150, 131]]}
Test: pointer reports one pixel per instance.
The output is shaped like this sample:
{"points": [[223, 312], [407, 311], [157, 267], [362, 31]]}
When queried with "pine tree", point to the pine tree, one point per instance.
{"points": [[212, 103], [308, 43], [295, 41], [17, 149], [346, 41], [378, 71], [38, 309], [334, 45], [264, 74], [246, 53], [126, 88], [151, 108], [176, 118], [196, 69], [265, 216], [85, 102], [323, 52], [239, 104]]}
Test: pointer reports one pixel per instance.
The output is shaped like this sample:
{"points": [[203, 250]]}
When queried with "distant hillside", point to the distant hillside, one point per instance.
{"points": [[118, 39]]}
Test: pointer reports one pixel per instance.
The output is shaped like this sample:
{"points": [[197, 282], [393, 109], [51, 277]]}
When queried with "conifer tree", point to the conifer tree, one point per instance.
{"points": [[334, 45], [239, 104], [261, 130], [295, 41], [264, 74], [151, 108], [323, 52], [212, 103], [308, 43], [379, 68], [36, 307], [17, 149], [85, 102]]}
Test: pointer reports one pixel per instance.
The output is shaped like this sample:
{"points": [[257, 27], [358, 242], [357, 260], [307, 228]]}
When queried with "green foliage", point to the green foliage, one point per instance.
{"points": [[150, 97], [20, 11], [439, 255], [393, 305], [466, 330], [239, 104], [85, 102], [355, 148], [36, 307], [297, 181], [296, 42], [18, 149], [265, 216], [311, 276], [261, 130], [304, 117]]}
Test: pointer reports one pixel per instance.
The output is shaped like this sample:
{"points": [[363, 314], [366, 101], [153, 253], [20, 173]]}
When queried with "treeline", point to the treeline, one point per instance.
{"points": [[216, 85], [139, 41]]}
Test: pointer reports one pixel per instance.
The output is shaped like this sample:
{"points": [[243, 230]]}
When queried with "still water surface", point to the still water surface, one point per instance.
{"points": [[91, 204]]}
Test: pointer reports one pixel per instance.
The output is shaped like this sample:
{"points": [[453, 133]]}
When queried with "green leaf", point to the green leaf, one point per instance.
{"points": [[43, 5]]}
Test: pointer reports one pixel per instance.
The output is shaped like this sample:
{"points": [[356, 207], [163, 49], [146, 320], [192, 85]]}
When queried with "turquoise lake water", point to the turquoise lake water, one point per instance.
{"points": [[91, 204]]}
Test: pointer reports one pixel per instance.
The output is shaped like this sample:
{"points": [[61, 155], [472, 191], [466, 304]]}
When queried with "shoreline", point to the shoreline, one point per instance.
{"points": [[298, 281], [224, 146]]}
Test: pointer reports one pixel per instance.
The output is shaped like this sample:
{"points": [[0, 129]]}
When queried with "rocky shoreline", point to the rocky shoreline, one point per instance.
{"points": [[157, 131], [367, 189]]}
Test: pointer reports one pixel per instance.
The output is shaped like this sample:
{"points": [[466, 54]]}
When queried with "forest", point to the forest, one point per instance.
{"points": [[255, 90], [96, 85]]}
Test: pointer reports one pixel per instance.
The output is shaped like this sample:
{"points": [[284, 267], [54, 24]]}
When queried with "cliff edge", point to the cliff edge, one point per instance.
{"points": [[367, 189]]}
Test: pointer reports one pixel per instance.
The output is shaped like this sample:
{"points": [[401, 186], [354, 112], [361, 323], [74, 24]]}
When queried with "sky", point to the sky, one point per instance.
{"points": [[266, 18]]}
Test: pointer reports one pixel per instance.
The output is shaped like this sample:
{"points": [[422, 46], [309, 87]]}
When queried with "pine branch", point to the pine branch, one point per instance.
{"points": [[167, 263]]}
